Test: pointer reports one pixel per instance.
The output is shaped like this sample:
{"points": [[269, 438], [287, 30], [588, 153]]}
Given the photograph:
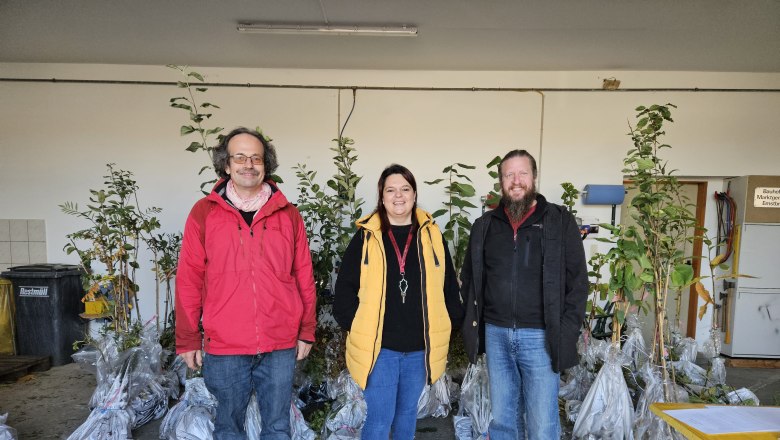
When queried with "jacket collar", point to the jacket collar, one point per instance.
{"points": [[372, 222], [275, 203], [536, 217]]}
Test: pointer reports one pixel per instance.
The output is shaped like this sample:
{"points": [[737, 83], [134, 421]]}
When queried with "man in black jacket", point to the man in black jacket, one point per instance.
{"points": [[526, 284]]}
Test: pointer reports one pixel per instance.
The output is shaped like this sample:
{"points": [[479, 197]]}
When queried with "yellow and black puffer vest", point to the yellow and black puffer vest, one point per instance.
{"points": [[365, 337]]}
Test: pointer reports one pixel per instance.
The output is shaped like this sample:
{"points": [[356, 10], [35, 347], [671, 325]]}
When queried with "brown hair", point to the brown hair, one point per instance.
{"points": [[380, 187]]}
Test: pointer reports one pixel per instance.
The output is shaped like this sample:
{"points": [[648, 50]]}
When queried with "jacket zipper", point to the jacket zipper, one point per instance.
{"points": [[430, 238], [513, 283], [424, 299]]}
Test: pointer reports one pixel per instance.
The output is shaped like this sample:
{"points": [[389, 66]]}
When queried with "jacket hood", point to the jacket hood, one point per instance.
{"points": [[372, 222]]}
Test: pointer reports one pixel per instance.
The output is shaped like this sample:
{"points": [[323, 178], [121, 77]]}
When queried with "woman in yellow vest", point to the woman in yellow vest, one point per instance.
{"points": [[397, 295]]}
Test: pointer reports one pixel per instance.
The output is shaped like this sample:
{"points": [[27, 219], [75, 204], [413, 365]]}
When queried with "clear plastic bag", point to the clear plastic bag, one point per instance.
{"points": [[112, 418], [435, 399], [742, 396], [648, 426], [687, 350], [717, 372], [607, 411], [253, 422], [591, 351], [693, 374], [572, 409], [634, 345], [86, 357], [193, 416], [462, 424], [6, 432], [579, 381], [475, 397], [299, 429], [346, 417]]}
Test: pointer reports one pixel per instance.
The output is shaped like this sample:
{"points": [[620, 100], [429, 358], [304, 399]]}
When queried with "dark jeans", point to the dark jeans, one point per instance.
{"points": [[231, 380]]}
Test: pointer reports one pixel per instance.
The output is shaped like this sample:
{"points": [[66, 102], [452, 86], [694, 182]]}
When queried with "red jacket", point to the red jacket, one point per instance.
{"points": [[252, 286]]}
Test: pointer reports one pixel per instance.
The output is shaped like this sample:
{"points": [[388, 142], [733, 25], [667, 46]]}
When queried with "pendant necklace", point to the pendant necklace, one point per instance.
{"points": [[403, 285]]}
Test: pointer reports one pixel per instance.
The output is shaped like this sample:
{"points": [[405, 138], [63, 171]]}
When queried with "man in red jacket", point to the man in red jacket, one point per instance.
{"points": [[245, 275]]}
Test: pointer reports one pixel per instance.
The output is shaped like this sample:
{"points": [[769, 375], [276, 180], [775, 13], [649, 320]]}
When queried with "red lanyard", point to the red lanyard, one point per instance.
{"points": [[401, 258]]}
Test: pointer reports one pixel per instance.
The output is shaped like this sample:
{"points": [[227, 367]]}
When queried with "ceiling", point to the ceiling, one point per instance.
{"points": [[678, 35]]}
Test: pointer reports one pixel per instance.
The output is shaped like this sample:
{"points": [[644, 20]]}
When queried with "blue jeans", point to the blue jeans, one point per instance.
{"points": [[231, 380], [392, 392], [523, 386]]}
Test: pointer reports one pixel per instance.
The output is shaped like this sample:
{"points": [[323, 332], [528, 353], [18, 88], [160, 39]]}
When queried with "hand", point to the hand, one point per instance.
{"points": [[303, 350], [194, 359]]}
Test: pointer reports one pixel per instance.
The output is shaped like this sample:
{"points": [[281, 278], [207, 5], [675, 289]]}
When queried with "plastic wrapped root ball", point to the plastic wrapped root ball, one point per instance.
{"points": [[607, 411]]}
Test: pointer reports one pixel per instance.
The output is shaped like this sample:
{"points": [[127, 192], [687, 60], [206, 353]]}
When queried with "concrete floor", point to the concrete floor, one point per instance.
{"points": [[52, 404]]}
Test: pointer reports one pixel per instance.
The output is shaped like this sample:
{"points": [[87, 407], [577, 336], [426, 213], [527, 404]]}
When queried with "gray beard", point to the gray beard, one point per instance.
{"points": [[517, 209]]}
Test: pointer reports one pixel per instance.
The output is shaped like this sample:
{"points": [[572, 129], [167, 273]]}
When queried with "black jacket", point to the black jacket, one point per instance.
{"points": [[564, 284]]}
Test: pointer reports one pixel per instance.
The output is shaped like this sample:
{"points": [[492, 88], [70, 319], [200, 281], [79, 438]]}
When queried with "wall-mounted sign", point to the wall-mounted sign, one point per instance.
{"points": [[35, 292], [766, 197]]}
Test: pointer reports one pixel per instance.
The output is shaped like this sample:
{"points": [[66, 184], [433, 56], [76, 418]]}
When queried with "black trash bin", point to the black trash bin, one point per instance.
{"points": [[48, 303]]}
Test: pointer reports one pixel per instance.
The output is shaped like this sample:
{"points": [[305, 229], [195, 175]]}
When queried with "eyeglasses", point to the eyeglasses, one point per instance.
{"points": [[241, 158]]}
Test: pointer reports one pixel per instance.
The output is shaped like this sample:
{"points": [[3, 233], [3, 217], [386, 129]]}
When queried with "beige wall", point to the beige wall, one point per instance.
{"points": [[55, 138]]}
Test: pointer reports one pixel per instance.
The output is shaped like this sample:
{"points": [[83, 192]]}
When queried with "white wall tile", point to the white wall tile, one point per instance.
{"points": [[5, 230], [20, 252], [37, 252], [36, 230], [4, 267], [5, 251], [19, 230]]}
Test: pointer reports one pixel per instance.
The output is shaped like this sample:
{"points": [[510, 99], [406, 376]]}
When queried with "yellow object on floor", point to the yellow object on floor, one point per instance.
{"points": [[7, 313]]}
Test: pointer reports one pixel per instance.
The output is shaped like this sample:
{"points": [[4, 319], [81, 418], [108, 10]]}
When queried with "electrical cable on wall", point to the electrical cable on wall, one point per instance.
{"points": [[727, 213]]}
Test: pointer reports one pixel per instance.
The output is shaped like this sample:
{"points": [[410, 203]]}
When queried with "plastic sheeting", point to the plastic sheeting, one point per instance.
{"points": [[607, 411], [435, 399], [193, 416], [475, 397], [6, 432]]}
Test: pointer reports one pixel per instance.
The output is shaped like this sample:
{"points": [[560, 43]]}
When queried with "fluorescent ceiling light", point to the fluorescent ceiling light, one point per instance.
{"points": [[330, 29]]}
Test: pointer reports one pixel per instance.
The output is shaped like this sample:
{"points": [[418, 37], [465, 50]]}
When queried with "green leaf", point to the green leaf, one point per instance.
{"points": [[463, 189], [186, 129], [196, 75], [194, 146], [496, 160], [468, 167], [644, 164], [439, 213], [682, 275], [460, 203]]}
